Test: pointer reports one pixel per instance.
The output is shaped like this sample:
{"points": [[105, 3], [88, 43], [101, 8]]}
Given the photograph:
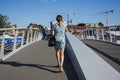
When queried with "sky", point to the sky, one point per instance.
{"points": [[24, 12]]}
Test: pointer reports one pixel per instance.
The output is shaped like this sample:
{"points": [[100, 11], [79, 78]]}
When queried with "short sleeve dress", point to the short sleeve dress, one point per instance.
{"points": [[60, 36]]}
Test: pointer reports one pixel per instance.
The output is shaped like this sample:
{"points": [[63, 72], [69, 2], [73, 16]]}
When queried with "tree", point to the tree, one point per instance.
{"points": [[3, 21]]}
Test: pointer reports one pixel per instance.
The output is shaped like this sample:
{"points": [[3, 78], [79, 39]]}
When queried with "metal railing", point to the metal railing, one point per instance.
{"points": [[14, 39], [101, 33]]}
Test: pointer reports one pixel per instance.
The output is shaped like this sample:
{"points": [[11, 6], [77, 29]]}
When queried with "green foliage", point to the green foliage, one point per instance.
{"points": [[3, 21]]}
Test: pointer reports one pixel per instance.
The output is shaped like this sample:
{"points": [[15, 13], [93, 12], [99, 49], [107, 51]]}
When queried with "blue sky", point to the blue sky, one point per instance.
{"points": [[23, 12]]}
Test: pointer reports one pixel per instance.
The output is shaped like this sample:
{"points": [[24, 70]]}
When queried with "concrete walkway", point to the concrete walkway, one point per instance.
{"points": [[35, 62]]}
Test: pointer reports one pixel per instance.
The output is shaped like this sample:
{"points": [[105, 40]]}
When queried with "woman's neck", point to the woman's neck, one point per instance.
{"points": [[60, 23]]}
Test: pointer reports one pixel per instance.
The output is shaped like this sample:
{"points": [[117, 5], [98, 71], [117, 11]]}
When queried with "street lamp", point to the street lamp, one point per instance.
{"points": [[68, 15]]}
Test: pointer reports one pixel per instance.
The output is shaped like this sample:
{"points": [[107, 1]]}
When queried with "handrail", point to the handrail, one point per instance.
{"points": [[102, 34], [14, 39], [87, 64], [2, 29]]}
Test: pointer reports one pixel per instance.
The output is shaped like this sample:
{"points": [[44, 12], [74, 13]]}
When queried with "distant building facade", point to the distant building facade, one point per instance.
{"points": [[75, 29]]}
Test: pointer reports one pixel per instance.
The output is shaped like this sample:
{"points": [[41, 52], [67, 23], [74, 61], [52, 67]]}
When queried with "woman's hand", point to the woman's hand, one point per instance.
{"points": [[66, 29]]}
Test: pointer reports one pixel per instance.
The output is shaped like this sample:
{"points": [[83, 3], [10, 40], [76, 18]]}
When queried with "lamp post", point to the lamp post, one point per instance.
{"points": [[68, 15]]}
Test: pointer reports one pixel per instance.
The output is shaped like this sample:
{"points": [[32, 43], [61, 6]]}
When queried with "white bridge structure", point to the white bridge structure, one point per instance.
{"points": [[24, 55], [12, 40], [101, 33]]}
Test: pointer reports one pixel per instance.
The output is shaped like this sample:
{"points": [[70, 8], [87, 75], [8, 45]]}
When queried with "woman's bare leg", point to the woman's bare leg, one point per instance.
{"points": [[58, 56], [61, 59]]}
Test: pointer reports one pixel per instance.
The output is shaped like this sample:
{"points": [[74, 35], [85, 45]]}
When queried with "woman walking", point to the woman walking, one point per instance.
{"points": [[58, 30]]}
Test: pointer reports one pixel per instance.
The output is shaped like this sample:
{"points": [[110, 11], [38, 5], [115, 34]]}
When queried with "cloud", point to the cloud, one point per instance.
{"points": [[47, 0]]}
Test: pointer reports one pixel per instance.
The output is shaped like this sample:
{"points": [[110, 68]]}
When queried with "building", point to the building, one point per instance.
{"points": [[75, 29]]}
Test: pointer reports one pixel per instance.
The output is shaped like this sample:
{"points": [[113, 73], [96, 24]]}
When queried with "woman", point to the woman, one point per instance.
{"points": [[58, 30]]}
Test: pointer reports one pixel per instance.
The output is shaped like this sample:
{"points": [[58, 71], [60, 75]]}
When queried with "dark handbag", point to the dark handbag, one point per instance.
{"points": [[51, 41]]}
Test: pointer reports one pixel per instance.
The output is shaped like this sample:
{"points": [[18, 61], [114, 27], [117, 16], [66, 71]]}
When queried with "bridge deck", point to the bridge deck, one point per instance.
{"points": [[108, 51], [35, 62]]}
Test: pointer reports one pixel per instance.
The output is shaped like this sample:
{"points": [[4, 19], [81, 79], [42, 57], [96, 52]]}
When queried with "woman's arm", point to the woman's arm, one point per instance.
{"points": [[66, 29], [53, 32]]}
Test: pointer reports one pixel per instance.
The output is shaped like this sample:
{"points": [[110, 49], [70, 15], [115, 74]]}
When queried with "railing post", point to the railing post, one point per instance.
{"points": [[110, 34], [27, 36], [88, 34], [103, 34], [38, 37], [97, 34], [14, 46], [35, 35], [2, 46], [22, 42], [31, 35], [81, 35], [85, 34], [93, 37]]}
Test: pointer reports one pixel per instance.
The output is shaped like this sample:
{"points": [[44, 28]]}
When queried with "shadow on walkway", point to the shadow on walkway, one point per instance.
{"points": [[44, 67]]}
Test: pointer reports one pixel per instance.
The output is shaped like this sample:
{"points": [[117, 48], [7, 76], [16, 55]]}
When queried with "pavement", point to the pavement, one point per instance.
{"points": [[36, 62]]}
